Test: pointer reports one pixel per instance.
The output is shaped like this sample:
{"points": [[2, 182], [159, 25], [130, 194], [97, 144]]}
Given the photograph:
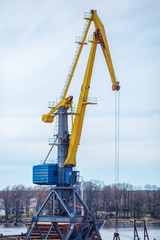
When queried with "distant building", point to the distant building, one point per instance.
{"points": [[33, 207]]}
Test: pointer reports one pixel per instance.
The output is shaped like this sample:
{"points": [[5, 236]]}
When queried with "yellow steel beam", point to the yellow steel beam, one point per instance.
{"points": [[67, 102], [105, 48], [79, 117]]}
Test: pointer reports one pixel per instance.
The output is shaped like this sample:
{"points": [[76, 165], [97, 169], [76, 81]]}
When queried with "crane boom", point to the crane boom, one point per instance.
{"points": [[98, 36], [105, 48]]}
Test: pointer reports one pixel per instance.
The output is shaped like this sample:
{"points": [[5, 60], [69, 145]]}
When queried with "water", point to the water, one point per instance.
{"points": [[128, 233], [12, 230], [125, 233]]}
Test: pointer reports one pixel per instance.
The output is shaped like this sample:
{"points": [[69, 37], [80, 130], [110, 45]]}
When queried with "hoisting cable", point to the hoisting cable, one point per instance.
{"points": [[121, 233], [117, 137], [116, 234]]}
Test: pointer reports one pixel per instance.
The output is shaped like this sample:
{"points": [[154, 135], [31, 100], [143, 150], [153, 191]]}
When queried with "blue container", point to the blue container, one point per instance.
{"points": [[45, 174]]}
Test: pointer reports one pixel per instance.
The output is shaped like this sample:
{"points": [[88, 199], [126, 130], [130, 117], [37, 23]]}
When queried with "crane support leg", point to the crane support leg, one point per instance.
{"points": [[71, 223]]}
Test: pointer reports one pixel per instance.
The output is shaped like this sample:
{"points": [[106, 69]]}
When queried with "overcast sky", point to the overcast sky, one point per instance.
{"points": [[36, 51]]}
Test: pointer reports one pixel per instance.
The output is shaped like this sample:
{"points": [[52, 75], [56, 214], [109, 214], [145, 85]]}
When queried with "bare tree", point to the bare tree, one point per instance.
{"points": [[17, 201], [6, 196], [126, 198], [40, 193], [120, 198], [157, 203], [29, 193], [139, 200], [107, 194], [92, 195], [148, 189], [117, 198]]}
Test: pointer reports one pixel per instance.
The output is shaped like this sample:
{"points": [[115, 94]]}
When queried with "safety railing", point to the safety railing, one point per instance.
{"points": [[86, 15], [53, 140], [90, 100], [49, 161], [52, 104]]}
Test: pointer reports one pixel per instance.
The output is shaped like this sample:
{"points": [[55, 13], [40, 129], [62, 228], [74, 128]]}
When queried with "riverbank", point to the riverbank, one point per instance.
{"points": [[131, 220], [15, 237], [26, 220]]}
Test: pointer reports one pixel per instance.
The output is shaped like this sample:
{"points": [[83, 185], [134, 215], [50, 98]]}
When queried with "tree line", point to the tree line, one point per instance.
{"points": [[121, 200]]}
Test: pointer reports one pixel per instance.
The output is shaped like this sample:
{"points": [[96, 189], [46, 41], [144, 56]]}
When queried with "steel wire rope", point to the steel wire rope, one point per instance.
{"points": [[50, 150], [121, 233], [117, 111], [117, 137], [116, 155], [117, 107], [125, 235], [56, 137]]}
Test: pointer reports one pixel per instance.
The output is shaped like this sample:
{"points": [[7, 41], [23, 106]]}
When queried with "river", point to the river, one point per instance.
{"points": [[106, 232], [128, 233]]}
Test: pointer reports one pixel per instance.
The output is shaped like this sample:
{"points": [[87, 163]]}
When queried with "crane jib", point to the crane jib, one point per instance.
{"points": [[99, 36]]}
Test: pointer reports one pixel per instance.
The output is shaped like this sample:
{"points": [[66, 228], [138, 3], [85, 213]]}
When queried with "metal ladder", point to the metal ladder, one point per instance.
{"points": [[78, 39]]}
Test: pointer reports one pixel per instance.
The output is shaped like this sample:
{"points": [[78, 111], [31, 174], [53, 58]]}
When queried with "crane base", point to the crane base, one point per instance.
{"points": [[68, 218]]}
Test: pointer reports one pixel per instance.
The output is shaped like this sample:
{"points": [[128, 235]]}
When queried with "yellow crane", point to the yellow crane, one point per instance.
{"points": [[99, 36], [64, 195]]}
